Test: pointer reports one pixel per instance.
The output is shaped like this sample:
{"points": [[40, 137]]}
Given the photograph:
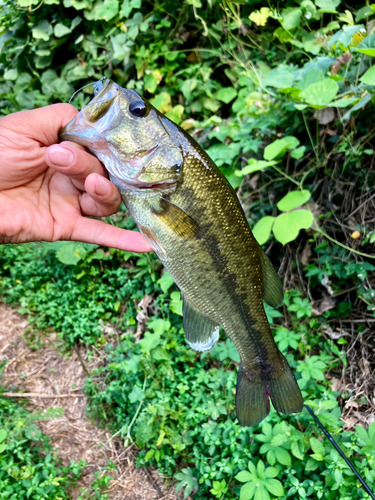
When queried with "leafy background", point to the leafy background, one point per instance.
{"points": [[280, 95]]}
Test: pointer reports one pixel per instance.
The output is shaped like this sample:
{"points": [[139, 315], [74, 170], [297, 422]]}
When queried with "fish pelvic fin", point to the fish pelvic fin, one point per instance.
{"points": [[201, 332], [253, 394]]}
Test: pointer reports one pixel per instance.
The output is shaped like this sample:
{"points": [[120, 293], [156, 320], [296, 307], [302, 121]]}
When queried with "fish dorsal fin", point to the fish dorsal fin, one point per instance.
{"points": [[200, 332], [177, 220], [273, 292]]}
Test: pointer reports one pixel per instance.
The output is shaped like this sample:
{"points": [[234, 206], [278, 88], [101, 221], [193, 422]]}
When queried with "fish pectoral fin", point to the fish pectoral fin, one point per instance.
{"points": [[177, 220], [273, 292], [201, 332]]}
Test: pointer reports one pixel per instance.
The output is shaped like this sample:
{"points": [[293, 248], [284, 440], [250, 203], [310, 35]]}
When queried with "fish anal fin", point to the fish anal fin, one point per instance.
{"points": [[201, 332], [177, 220], [273, 292]]}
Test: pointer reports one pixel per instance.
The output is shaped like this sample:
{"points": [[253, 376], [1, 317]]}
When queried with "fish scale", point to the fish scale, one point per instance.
{"points": [[191, 216]]}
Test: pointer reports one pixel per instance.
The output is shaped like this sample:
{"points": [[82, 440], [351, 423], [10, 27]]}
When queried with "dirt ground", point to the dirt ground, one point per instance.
{"points": [[55, 381]]}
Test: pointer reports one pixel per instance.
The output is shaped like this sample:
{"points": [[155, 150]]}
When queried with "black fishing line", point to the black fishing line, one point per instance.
{"points": [[342, 454]]}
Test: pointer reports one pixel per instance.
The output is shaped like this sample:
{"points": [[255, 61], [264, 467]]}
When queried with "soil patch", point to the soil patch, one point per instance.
{"points": [[56, 381]]}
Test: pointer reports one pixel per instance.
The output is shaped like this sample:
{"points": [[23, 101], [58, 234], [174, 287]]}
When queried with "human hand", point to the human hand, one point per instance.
{"points": [[46, 188]]}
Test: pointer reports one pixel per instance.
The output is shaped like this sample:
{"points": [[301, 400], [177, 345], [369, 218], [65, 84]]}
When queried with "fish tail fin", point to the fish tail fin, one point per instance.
{"points": [[253, 394], [286, 396], [252, 398]]}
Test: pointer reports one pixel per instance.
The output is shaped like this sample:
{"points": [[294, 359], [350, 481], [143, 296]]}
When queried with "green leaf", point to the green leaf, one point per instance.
{"points": [[309, 77], [275, 487], [297, 449], [11, 74], [247, 490], [291, 18], [367, 46], [136, 395], [175, 114], [260, 17], [244, 476], [254, 166], [262, 229], [261, 493], [320, 93], [317, 446], [287, 226], [293, 200], [71, 252], [344, 36], [344, 102], [42, 31], [328, 6], [61, 30], [311, 464], [107, 10], [283, 456], [165, 282], [278, 148], [369, 77], [298, 153], [270, 472], [3, 435], [280, 77], [226, 94], [176, 303], [3, 447]]}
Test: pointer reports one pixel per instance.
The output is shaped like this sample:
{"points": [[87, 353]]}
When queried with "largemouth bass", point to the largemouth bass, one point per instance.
{"points": [[188, 212]]}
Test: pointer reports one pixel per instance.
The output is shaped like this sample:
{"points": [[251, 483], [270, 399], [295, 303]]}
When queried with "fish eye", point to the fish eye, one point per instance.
{"points": [[98, 87], [138, 108]]}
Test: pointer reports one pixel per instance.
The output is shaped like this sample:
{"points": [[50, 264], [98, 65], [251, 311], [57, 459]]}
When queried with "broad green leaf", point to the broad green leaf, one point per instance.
{"points": [[311, 464], [165, 282], [344, 103], [294, 199], [298, 153], [297, 449], [262, 229], [280, 77], [283, 456], [270, 472], [359, 105], [61, 30], [317, 446], [107, 10], [3, 447], [260, 17], [176, 303], [3, 435], [369, 77], [310, 77], [137, 394], [287, 226], [320, 93], [254, 166], [363, 13], [42, 31], [367, 46], [274, 486], [261, 493], [244, 476], [226, 94], [328, 6], [344, 36], [162, 102], [11, 74], [291, 18], [71, 252], [247, 490], [175, 114], [278, 148]]}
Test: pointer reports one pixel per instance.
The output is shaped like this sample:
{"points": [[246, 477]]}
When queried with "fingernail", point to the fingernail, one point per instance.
{"points": [[60, 156], [103, 187]]}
